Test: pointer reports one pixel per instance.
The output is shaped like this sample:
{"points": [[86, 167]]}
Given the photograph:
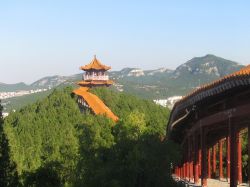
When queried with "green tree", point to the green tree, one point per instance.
{"points": [[8, 173], [54, 144], [43, 134]]}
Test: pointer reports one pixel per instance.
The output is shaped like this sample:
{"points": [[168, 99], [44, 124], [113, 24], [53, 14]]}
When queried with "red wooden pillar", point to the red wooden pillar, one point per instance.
{"points": [[220, 160], [184, 170], [187, 170], [239, 158], [214, 160], [228, 158], [187, 161], [196, 162], [203, 159], [233, 156], [248, 154], [181, 172], [209, 164], [191, 170], [199, 161]]}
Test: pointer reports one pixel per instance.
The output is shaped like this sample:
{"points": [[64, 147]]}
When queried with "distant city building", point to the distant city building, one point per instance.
{"points": [[6, 95], [95, 75], [169, 102], [5, 114]]}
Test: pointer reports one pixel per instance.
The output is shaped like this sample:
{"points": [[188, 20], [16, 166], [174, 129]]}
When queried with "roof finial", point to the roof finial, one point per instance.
{"points": [[94, 56]]}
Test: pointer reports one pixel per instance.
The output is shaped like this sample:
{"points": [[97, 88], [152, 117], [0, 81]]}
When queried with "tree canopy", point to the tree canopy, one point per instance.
{"points": [[52, 143]]}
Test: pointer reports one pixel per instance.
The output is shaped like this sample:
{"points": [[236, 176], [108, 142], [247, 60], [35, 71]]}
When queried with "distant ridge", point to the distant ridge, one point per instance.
{"points": [[153, 84]]}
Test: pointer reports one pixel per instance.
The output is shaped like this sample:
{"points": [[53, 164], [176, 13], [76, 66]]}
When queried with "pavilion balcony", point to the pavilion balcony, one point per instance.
{"points": [[95, 77]]}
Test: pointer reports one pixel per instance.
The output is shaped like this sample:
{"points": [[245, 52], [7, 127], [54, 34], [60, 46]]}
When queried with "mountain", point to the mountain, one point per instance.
{"points": [[164, 83], [51, 81], [207, 65], [151, 84], [13, 87]]}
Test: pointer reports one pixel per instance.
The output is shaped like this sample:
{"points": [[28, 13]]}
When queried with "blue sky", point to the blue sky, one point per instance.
{"points": [[41, 38]]}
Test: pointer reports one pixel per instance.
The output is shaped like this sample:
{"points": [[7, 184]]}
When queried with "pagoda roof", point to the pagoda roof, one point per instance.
{"points": [[95, 103], [95, 64]]}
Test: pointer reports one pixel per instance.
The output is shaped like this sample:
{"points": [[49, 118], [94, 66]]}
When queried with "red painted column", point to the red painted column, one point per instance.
{"points": [[184, 170], [187, 160], [199, 159], [203, 159], [239, 152], [209, 163], [233, 156], [187, 170], [214, 160], [220, 160], [181, 172], [191, 170], [248, 153], [196, 162], [228, 158]]}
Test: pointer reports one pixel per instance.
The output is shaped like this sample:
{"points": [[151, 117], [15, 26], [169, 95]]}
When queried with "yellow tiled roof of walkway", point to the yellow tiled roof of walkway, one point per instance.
{"points": [[95, 103]]}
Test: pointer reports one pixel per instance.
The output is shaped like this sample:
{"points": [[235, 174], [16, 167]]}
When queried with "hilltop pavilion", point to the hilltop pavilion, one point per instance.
{"points": [[95, 75]]}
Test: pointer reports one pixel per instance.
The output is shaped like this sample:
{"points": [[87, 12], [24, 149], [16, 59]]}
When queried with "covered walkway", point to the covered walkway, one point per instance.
{"points": [[209, 124], [210, 182]]}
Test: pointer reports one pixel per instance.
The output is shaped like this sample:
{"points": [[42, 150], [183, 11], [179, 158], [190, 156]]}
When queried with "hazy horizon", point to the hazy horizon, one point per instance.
{"points": [[48, 38]]}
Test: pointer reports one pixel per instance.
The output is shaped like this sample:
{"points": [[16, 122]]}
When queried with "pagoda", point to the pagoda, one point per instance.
{"points": [[95, 74]]}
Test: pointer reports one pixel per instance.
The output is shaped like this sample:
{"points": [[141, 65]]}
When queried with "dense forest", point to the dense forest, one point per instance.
{"points": [[52, 143]]}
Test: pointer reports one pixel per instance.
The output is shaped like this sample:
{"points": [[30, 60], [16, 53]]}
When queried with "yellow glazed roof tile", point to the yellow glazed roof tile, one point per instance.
{"points": [[95, 103]]}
